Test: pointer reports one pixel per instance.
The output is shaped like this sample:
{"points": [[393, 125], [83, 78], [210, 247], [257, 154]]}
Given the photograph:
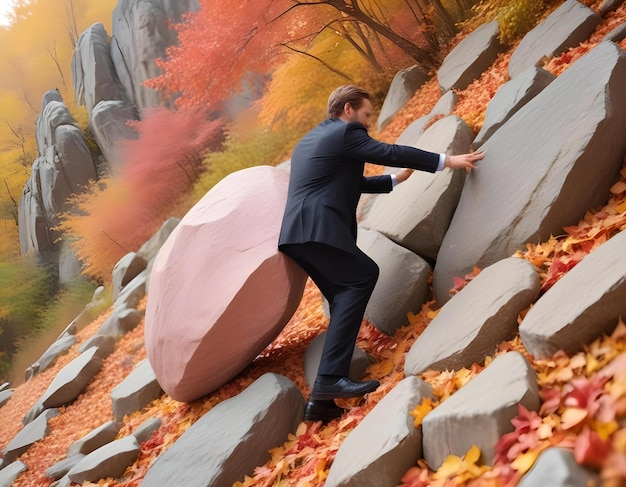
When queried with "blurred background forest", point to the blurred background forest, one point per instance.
{"points": [[245, 81]]}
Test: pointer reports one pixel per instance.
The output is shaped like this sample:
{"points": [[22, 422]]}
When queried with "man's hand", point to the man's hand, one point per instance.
{"points": [[464, 160], [403, 175]]}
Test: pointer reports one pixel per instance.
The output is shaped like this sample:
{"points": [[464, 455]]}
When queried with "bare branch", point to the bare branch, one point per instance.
{"points": [[325, 64]]}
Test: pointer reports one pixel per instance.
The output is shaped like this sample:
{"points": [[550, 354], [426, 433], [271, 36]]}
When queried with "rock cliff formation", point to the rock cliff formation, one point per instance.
{"points": [[107, 79]]}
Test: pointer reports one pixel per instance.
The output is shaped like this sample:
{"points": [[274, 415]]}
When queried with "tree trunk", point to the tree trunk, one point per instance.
{"points": [[426, 60]]}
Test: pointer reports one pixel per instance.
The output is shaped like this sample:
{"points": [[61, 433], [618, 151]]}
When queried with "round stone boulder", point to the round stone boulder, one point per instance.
{"points": [[220, 290]]}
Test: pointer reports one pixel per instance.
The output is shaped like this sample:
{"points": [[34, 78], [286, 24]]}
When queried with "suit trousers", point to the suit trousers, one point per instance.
{"points": [[346, 280]]}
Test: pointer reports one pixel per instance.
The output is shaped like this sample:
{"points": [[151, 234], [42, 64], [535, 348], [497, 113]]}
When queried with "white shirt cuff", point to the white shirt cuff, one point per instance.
{"points": [[394, 180], [442, 161]]}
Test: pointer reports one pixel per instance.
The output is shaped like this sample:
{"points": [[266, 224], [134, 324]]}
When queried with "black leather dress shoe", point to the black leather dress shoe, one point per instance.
{"points": [[322, 411], [344, 387]]}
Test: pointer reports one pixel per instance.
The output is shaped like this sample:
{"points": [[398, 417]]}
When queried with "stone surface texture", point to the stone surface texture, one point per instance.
{"points": [[566, 27], [584, 304], [385, 444], [470, 326], [481, 411], [543, 169]]}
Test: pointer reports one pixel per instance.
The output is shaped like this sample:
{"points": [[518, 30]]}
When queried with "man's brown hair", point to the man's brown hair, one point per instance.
{"points": [[346, 94]]}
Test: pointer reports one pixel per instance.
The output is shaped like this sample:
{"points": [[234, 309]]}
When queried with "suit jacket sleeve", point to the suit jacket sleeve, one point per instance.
{"points": [[362, 147], [376, 184]]}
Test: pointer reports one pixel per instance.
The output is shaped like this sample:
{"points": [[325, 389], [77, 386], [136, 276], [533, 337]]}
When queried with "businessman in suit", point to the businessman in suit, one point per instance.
{"points": [[319, 228]]}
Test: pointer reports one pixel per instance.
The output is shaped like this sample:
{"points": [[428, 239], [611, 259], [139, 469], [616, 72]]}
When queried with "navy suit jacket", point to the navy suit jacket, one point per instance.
{"points": [[327, 180]]}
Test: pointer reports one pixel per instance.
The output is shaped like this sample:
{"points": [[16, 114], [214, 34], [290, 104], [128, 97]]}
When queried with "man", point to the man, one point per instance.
{"points": [[319, 228]]}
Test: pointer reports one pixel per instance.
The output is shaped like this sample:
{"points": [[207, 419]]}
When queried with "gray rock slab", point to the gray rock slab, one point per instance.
{"points": [[472, 324], [566, 27], [11, 472], [609, 6], [5, 395], [618, 34], [72, 379], [33, 412], [60, 469], [132, 293], [4, 386], [105, 344], [481, 411], [93, 440], [31, 433], [108, 124], [136, 391], [470, 58], [233, 438], [110, 460], [510, 97], [150, 248], [416, 214], [543, 169], [58, 348], [385, 444], [557, 467], [145, 429], [582, 306], [120, 321], [403, 86], [443, 107], [125, 270], [403, 282], [313, 356], [93, 74]]}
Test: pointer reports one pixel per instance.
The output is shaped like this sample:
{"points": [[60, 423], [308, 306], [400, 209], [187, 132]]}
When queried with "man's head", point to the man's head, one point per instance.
{"points": [[350, 103]]}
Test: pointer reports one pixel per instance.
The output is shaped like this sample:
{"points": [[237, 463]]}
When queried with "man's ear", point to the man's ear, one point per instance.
{"points": [[347, 108]]}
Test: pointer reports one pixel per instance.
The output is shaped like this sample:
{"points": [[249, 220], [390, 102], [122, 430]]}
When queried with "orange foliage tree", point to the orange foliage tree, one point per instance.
{"points": [[120, 213], [224, 46]]}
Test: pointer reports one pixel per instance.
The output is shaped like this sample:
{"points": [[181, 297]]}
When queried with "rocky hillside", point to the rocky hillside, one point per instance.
{"points": [[516, 376]]}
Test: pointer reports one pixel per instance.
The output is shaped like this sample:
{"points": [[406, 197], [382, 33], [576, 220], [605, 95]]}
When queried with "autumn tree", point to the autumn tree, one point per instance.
{"points": [[119, 213], [224, 44]]}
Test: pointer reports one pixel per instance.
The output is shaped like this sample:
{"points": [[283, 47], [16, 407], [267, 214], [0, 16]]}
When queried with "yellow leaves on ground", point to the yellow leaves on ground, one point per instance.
{"points": [[462, 469], [421, 410]]}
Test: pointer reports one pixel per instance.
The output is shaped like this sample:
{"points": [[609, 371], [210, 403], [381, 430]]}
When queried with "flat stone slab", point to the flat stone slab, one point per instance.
{"points": [[222, 281], [31, 433], [125, 270], [9, 473], [233, 438], [543, 169], [59, 347], [443, 107], [510, 97], [403, 86], [5, 395], [60, 469], [582, 306], [403, 282], [557, 467], [136, 391], [470, 58], [110, 460], [72, 379], [472, 324], [566, 27], [93, 440], [385, 444], [416, 214], [481, 411]]}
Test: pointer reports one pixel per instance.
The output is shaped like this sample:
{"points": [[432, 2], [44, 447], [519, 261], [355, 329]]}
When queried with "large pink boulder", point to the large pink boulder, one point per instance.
{"points": [[220, 291]]}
